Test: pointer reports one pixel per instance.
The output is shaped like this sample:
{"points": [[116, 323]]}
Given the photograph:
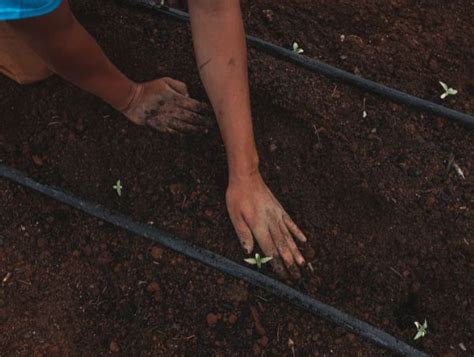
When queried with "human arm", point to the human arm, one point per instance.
{"points": [[70, 51], [219, 42]]}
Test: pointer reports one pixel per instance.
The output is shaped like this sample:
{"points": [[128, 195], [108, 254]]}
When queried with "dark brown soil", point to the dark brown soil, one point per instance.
{"points": [[390, 227]]}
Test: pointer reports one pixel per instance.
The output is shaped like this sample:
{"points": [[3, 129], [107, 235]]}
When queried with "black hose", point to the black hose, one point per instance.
{"points": [[220, 263], [329, 71]]}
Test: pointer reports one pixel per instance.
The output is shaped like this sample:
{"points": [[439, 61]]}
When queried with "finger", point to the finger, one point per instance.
{"points": [[184, 127], [245, 236], [267, 245], [188, 103], [200, 108], [284, 250], [278, 267], [177, 86], [195, 118], [158, 125], [294, 229], [299, 259], [173, 132]]}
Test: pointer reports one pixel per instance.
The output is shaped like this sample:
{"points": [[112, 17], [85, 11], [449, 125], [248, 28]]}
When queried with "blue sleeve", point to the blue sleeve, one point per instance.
{"points": [[22, 9]]}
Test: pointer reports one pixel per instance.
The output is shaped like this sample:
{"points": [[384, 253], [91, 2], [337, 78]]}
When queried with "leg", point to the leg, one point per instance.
{"points": [[18, 61], [68, 50]]}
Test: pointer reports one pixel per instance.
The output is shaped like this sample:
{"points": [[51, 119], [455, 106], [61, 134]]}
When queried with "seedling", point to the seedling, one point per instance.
{"points": [[118, 187], [421, 330], [258, 260], [447, 90], [297, 49]]}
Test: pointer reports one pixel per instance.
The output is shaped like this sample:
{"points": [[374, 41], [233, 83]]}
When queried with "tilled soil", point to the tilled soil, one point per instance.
{"points": [[389, 225]]}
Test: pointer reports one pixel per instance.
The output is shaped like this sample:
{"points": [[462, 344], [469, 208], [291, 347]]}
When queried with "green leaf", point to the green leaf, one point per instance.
{"points": [[452, 91], [421, 329], [266, 259], [418, 335], [444, 85], [444, 95], [251, 261], [118, 187]]}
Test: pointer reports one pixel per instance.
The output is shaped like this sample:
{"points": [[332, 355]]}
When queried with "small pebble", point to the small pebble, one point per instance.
{"points": [[156, 253], [41, 243], [232, 319], [256, 349], [268, 15], [38, 161], [210, 214], [309, 252], [263, 341], [212, 319], [114, 347], [153, 287]]}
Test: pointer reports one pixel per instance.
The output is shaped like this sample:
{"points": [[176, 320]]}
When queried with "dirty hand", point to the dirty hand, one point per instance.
{"points": [[165, 105], [256, 213]]}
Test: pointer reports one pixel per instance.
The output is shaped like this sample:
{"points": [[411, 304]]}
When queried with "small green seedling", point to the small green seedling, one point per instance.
{"points": [[447, 90], [258, 260], [297, 49], [421, 330], [118, 187]]}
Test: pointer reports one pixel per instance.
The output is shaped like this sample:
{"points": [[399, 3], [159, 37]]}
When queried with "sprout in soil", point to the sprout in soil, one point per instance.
{"points": [[447, 90], [297, 49], [421, 330], [258, 260], [118, 187]]}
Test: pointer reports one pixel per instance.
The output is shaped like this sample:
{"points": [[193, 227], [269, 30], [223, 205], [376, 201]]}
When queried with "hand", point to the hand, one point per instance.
{"points": [[256, 213], [164, 104]]}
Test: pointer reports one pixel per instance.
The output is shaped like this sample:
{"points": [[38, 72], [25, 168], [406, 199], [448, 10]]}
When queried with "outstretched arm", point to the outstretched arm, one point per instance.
{"points": [[68, 50], [219, 42]]}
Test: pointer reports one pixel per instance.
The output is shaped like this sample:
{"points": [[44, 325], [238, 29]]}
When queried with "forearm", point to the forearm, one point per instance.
{"points": [[221, 54], [68, 50]]}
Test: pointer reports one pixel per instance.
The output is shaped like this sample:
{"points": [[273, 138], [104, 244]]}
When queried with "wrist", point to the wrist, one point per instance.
{"points": [[244, 170], [129, 95]]}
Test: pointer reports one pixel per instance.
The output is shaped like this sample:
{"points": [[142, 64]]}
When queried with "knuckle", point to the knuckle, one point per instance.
{"points": [[252, 222]]}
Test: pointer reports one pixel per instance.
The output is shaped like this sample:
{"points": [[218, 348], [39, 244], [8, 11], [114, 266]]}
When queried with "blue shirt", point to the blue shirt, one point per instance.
{"points": [[22, 9]]}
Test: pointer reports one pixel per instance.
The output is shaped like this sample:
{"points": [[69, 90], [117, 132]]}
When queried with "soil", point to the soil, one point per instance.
{"points": [[389, 224]]}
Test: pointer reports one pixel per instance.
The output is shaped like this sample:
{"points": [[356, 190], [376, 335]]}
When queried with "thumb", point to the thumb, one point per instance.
{"points": [[177, 86]]}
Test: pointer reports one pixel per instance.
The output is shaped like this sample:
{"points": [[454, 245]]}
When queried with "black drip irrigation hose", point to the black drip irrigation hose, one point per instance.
{"points": [[220, 263], [329, 71]]}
